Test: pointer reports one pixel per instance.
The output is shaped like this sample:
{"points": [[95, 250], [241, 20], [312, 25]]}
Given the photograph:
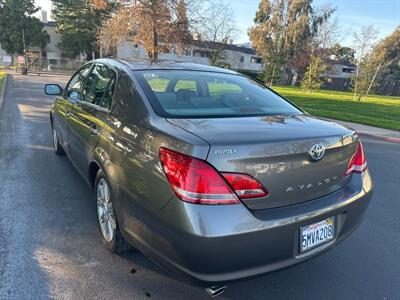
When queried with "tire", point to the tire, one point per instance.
{"points": [[56, 144], [109, 231]]}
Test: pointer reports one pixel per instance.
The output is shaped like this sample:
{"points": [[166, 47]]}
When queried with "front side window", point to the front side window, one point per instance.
{"points": [[178, 93], [73, 90], [99, 86]]}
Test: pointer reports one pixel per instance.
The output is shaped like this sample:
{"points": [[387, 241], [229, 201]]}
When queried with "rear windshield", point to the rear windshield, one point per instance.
{"points": [[177, 93]]}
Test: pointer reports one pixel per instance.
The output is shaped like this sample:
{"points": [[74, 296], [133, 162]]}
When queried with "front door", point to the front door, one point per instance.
{"points": [[65, 105], [90, 111]]}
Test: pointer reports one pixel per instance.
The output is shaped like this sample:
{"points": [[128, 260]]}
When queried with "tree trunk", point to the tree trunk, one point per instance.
{"points": [[373, 80], [273, 75], [155, 44], [290, 77]]}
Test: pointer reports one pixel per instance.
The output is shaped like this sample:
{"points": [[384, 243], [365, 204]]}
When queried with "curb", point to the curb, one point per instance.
{"points": [[380, 137], [3, 92], [351, 125]]}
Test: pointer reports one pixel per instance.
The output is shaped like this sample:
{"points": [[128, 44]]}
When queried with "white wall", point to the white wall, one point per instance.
{"points": [[336, 71], [53, 52]]}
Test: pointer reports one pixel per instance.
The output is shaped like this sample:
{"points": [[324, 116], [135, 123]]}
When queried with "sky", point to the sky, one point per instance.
{"points": [[351, 15]]}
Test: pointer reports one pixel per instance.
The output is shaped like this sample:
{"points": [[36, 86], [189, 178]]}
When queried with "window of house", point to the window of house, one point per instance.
{"points": [[256, 60], [348, 70]]}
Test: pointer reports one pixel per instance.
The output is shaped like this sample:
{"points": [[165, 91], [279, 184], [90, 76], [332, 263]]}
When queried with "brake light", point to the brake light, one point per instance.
{"points": [[194, 180], [358, 163], [245, 186]]}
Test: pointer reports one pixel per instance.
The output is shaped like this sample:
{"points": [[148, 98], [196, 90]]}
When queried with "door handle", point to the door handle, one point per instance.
{"points": [[94, 131]]}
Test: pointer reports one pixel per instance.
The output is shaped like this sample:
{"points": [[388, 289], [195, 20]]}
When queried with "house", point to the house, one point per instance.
{"points": [[338, 74], [242, 58], [49, 58], [339, 69], [239, 58]]}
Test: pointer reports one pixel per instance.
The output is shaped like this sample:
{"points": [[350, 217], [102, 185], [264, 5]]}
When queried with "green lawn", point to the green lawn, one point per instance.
{"points": [[380, 111], [2, 78]]}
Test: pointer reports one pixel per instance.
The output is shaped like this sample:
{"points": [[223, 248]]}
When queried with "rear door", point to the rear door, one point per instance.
{"points": [[89, 114]]}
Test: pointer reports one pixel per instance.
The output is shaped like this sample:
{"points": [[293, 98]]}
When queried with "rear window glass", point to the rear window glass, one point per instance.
{"points": [[177, 93], [158, 84]]}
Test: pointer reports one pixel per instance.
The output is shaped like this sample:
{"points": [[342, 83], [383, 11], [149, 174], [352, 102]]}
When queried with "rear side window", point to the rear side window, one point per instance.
{"points": [[200, 94], [74, 88], [99, 86]]}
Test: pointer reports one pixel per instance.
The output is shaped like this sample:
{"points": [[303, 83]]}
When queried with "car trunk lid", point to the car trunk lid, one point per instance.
{"points": [[275, 151]]}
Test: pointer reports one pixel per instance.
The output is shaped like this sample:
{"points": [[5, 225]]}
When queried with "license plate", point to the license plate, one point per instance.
{"points": [[317, 234]]}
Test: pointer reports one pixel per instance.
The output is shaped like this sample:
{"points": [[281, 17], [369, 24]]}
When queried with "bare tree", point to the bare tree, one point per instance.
{"points": [[328, 34], [216, 27], [157, 25], [363, 41]]}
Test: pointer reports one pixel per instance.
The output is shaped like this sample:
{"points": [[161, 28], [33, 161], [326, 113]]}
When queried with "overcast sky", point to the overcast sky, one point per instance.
{"points": [[351, 15]]}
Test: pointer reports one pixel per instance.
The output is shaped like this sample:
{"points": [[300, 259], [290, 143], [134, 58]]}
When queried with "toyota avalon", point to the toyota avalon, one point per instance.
{"points": [[208, 173]]}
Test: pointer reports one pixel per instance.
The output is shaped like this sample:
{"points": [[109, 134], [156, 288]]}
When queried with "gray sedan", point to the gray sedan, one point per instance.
{"points": [[210, 174]]}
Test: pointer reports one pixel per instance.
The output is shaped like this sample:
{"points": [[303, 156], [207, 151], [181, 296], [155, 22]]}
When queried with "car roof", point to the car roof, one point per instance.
{"points": [[142, 65]]}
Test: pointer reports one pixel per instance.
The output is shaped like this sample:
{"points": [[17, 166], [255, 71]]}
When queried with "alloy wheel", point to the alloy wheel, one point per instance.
{"points": [[105, 210]]}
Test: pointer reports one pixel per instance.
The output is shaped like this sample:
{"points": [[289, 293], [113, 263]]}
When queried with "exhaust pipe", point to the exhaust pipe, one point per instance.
{"points": [[215, 290]]}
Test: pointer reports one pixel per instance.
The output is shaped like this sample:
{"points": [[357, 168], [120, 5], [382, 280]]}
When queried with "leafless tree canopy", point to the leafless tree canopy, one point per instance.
{"points": [[162, 25], [157, 25], [364, 40]]}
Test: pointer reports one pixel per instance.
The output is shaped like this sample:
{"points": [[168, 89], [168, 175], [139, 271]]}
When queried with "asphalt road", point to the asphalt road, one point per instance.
{"points": [[50, 245]]}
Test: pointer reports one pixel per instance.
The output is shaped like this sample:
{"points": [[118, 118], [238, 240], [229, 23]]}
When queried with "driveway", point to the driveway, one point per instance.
{"points": [[50, 245]]}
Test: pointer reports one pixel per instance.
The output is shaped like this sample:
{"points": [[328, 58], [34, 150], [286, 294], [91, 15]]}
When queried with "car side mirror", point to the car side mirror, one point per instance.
{"points": [[52, 89]]}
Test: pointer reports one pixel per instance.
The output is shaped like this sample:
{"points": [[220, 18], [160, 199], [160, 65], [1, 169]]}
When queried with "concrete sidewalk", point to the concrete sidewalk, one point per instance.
{"points": [[385, 134]]}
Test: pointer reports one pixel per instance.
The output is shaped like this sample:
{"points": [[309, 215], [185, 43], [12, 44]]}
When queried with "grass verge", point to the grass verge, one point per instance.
{"points": [[376, 110], [2, 79]]}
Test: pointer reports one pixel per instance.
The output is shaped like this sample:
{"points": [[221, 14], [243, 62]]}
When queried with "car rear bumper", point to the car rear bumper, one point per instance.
{"points": [[209, 245]]}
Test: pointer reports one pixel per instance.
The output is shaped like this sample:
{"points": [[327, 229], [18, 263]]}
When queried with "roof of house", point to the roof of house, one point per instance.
{"points": [[214, 45]]}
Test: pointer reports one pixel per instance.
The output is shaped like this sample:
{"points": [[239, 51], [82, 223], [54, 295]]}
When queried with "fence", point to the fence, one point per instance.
{"points": [[40, 65]]}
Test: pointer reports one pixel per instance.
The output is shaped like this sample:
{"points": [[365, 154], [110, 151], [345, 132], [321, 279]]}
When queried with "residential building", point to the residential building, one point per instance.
{"points": [[239, 58], [338, 74], [339, 69]]}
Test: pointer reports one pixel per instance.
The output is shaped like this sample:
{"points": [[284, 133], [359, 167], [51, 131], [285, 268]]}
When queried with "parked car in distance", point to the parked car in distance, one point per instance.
{"points": [[210, 174]]}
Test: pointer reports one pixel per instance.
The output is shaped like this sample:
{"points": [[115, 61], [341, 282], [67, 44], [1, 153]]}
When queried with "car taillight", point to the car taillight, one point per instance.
{"points": [[245, 186], [358, 163], [194, 180]]}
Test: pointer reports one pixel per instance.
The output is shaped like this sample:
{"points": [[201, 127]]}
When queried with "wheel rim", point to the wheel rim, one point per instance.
{"points": [[55, 139], [105, 210]]}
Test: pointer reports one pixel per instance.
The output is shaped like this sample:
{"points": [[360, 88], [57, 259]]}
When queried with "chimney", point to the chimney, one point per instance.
{"points": [[44, 16]]}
